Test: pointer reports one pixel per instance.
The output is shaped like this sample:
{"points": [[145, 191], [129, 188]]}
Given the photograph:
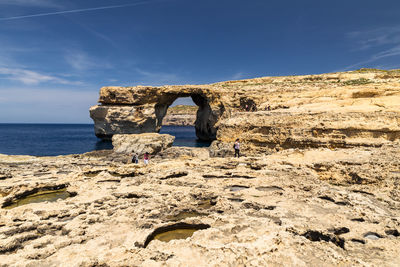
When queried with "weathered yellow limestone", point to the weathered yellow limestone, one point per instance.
{"points": [[344, 109], [41, 196], [320, 206], [320, 176]]}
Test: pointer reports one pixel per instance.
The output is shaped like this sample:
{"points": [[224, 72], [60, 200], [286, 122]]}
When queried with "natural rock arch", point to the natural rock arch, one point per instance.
{"points": [[284, 112], [132, 110]]}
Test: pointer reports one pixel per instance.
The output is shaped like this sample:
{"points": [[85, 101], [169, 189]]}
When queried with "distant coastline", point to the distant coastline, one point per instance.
{"points": [[181, 115]]}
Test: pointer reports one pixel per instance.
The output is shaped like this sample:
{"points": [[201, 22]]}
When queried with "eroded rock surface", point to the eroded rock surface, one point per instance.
{"points": [[348, 109], [141, 109], [296, 207], [318, 184], [152, 143]]}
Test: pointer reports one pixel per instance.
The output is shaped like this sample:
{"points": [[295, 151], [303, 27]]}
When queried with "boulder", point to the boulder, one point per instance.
{"points": [[114, 119], [141, 143], [221, 149]]}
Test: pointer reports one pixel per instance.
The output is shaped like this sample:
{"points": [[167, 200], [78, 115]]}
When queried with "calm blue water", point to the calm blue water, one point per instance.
{"points": [[184, 136], [64, 139]]}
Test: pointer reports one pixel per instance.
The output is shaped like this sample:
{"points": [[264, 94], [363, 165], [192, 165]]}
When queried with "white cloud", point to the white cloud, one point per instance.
{"points": [[376, 37], [30, 77], [238, 76], [394, 51], [80, 61], [385, 42], [391, 52], [12, 69], [43, 105], [46, 96]]}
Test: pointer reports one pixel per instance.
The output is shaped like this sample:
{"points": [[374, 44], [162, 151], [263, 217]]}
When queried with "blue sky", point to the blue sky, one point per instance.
{"points": [[55, 55]]}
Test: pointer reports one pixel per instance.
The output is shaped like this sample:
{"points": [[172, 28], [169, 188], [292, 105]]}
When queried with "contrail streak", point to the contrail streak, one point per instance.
{"points": [[77, 10]]}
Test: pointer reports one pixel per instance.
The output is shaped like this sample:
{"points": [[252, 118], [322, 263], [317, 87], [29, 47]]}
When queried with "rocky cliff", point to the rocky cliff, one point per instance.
{"points": [[322, 188], [347, 109]]}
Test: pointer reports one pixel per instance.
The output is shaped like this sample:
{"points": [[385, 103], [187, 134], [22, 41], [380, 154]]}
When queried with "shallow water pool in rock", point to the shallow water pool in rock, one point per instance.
{"points": [[175, 234], [41, 196], [175, 231]]}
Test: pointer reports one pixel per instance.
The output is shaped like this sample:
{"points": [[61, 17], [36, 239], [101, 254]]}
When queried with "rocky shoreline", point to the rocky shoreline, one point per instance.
{"points": [[317, 185], [294, 207]]}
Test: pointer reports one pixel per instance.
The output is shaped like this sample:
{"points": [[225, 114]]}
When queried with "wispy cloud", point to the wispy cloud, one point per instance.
{"points": [[9, 51], [376, 37], [392, 52], [385, 43], [44, 105], [81, 61], [30, 77], [12, 68], [35, 95], [78, 10], [238, 76], [78, 61]]}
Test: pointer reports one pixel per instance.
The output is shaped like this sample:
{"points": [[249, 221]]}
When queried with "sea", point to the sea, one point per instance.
{"points": [[65, 139]]}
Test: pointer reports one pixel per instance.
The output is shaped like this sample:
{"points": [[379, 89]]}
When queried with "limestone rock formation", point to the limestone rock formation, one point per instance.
{"points": [[318, 184], [296, 207], [347, 109], [152, 143], [141, 109]]}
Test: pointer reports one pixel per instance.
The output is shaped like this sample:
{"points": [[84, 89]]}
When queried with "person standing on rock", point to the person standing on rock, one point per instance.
{"points": [[135, 158], [236, 146], [146, 158]]}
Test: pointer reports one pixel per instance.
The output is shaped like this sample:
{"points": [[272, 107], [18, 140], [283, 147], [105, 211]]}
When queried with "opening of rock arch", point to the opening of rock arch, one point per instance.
{"points": [[179, 121], [205, 121]]}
